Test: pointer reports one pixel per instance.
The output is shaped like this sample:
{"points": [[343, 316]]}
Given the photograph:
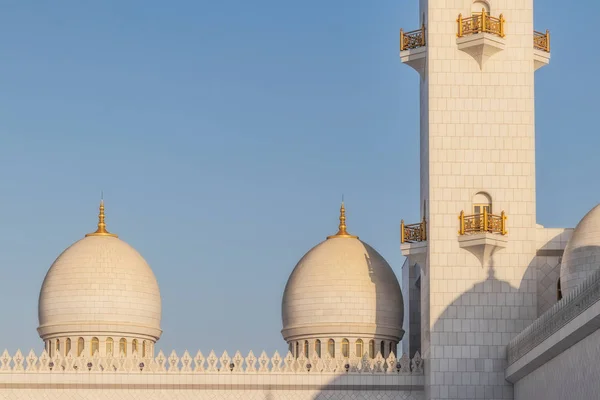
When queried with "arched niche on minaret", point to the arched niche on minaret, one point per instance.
{"points": [[482, 200], [479, 5]]}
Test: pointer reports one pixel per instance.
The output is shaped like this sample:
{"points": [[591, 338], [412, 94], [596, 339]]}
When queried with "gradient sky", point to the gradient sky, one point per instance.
{"points": [[224, 133]]}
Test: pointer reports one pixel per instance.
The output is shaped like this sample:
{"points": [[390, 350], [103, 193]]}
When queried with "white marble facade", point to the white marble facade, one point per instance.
{"points": [[477, 136], [493, 305]]}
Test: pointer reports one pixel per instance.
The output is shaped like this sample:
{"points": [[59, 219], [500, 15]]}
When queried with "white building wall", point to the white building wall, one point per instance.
{"points": [[477, 134], [573, 374], [411, 282], [548, 274], [551, 243], [210, 386], [556, 356], [152, 392]]}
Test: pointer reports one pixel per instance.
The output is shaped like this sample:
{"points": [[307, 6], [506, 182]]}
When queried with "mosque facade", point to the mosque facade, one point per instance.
{"points": [[492, 305]]}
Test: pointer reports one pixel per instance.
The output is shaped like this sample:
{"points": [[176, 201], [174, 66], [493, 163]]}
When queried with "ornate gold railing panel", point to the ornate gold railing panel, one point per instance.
{"points": [[481, 223], [541, 41], [413, 233], [412, 39], [479, 23]]}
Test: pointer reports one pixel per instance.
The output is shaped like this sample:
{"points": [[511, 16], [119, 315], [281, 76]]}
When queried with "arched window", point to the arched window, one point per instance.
{"points": [[345, 348], [123, 346], [134, 346], [80, 344], [482, 201], [144, 349], [67, 346], [359, 348], [95, 346], [306, 348], [331, 348], [372, 349], [390, 347], [558, 290], [109, 346], [479, 5], [57, 346], [49, 347], [318, 348], [382, 348], [297, 350]]}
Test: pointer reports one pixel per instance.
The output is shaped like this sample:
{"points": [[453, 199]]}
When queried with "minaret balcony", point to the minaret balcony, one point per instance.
{"points": [[414, 233], [541, 49], [482, 234], [482, 223], [413, 50], [481, 36], [481, 23], [413, 239]]}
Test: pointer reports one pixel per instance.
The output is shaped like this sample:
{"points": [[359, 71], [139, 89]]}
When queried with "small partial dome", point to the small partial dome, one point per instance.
{"points": [[342, 287], [582, 254], [98, 286]]}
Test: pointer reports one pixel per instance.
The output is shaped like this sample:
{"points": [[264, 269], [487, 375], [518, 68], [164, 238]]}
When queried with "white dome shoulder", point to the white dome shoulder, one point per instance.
{"points": [[582, 254], [341, 287]]}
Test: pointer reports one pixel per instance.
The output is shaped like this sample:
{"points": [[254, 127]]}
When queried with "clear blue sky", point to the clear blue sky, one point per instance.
{"points": [[224, 133]]}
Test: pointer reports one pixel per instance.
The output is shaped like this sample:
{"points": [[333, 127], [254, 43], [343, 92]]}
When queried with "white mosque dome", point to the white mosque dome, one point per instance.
{"points": [[342, 287], [582, 254], [100, 286]]}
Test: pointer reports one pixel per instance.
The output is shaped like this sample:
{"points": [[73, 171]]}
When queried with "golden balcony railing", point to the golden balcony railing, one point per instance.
{"points": [[413, 233], [480, 23], [541, 41], [412, 39], [481, 223]]}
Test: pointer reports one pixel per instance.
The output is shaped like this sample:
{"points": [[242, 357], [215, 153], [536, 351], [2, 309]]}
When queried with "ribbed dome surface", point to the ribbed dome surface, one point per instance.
{"points": [[582, 254], [342, 286], [100, 284]]}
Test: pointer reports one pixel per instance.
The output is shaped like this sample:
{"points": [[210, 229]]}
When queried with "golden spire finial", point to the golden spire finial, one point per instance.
{"points": [[101, 231], [342, 233]]}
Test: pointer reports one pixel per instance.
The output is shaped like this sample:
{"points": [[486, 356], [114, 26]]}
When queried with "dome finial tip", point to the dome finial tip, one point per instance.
{"points": [[101, 231], [342, 232]]}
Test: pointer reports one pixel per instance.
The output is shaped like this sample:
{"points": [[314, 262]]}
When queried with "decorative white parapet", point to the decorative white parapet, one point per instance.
{"points": [[211, 377], [174, 364]]}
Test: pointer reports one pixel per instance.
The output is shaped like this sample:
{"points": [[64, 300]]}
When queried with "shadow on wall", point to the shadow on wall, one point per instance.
{"points": [[471, 337], [472, 333], [336, 390], [386, 283]]}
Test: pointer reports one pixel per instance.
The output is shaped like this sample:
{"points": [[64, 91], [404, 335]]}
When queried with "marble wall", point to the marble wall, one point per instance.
{"points": [[573, 374]]}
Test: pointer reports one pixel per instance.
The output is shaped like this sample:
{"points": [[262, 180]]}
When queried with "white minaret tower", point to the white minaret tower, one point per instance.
{"points": [[474, 250]]}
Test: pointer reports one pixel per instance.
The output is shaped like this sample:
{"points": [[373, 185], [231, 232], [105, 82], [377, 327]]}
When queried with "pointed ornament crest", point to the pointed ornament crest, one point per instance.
{"points": [[101, 231], [342, 233]]}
